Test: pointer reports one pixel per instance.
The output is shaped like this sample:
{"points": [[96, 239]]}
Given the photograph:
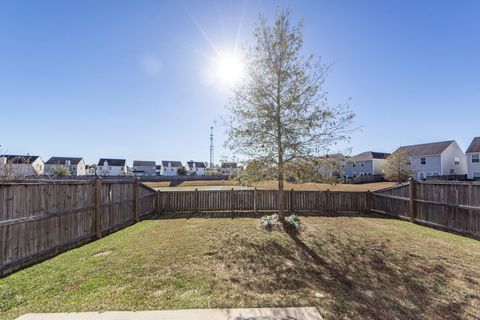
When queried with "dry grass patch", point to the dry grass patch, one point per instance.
{"points": [[348, 266]]}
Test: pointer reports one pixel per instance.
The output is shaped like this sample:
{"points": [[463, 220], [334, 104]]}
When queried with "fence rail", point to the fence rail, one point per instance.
{"points": [[39, 219]]}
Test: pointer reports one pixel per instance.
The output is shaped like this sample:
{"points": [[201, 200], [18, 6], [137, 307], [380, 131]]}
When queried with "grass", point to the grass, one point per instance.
{"points": [[273, 185], [348, 266]]}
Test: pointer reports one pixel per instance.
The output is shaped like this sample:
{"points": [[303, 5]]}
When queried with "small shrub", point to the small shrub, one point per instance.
{"points": [[292, 222], [270, 222]]}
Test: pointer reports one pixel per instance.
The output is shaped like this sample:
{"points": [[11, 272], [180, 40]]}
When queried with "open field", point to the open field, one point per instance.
{"points": [[205, 185], [349, 266]]}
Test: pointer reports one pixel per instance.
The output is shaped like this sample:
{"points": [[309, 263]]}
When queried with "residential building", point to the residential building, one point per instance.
{"points": [[76, 166], [473, 159], [12, 166], [229, 169], [435, 159], [170, 168], [144, 168], [364, 164], [112, 167], [196, 168]]}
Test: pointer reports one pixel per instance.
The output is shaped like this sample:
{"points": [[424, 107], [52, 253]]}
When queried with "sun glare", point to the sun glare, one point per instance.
{"points": [[230, 69]]}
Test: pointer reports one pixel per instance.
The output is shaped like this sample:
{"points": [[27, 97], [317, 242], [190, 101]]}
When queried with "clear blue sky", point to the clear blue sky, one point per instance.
{"points": [[127, 78]]}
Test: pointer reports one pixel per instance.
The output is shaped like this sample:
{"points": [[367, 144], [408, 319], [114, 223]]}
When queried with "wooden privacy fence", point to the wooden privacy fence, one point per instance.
{"points": [[260, 200], [452, 206], [39, 219]]}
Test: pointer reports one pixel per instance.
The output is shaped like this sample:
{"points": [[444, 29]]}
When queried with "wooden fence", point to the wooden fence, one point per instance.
{"points": [[260, 200], [452, 206], [39, 219]]}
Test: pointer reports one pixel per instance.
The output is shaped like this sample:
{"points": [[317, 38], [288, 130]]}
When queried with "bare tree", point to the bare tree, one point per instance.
{"points": [[280, 114], [397, 167], [16, 167]]}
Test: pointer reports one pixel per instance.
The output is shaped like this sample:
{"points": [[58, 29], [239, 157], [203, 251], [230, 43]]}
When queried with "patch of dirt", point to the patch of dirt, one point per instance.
{"points": [[103, 253]]}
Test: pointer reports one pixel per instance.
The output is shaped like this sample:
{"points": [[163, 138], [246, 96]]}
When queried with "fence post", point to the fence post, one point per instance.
{"points": [[368, 204], [157, 202], [98, 207], [196, 199], [327, 201], [136, 192], [232, 204], [292, 206], [413, 205], [255, 200]]}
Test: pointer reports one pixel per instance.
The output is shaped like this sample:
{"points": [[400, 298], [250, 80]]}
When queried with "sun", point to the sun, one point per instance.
{"points": [[230, 69]]}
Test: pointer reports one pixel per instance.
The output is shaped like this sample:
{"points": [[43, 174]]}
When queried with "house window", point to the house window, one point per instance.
{"points": [[362, 163], [452, 171], [423, 160], [476, 175], [476, 158], [457, 161], [435, 174]]}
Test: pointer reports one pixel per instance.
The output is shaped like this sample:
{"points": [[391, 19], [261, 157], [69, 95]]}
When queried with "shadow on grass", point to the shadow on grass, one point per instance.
{"points": [[355, 279], [251, 214]]}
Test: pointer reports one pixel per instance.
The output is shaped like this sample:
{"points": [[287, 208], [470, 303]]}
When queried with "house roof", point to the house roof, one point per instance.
{"points": [[19, 159], [62, 160], [112, 162], [197, 164], [229, 165], [426, 149], [369, 155], [474, 146], [141, 163], [172, 163]]}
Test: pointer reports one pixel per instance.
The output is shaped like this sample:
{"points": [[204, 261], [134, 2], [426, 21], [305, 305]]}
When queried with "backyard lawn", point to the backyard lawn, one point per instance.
{"points": [[348, 266]]}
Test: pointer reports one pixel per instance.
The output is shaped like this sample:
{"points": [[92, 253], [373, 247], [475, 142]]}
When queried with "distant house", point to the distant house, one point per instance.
{"points": [[170, 168], [473, 159], [112, 167], [364, 164], [12, 166], [196, 168], [75, 165], [144, 168], [435, 159], [229, 169]]}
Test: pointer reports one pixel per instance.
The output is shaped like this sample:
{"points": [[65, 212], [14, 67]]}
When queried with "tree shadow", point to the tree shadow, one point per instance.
{"points": [[360, 279]]}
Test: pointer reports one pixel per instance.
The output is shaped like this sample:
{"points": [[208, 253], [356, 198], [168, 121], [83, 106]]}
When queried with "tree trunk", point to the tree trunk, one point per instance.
{"points": [[281, 209]]}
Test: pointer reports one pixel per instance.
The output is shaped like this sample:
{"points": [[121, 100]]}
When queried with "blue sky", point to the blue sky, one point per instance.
{"points": [[128, 78]]}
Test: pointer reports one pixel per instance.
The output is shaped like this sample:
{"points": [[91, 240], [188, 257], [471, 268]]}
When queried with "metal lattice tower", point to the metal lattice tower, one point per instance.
{"points": [[211, 147]]}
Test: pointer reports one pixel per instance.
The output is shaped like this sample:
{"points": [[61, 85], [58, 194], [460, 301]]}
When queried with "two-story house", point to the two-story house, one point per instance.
{"points": [[17, 166], [229, 169], [435, 159], [473, 159], [196, 168], [144, 168], [364, 164], [112, 167], [170, 168], [76, 166]]}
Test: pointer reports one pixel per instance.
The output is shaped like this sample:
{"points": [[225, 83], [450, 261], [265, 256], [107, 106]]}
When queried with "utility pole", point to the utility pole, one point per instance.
{"points": [[211, 147]]}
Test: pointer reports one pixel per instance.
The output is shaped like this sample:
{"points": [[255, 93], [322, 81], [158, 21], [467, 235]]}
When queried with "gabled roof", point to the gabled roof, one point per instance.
{"points": [[197, 164], [140, 163], [230, 165], [62, 160], [172, 163], [426, 149], [474, 146], [112, 162], [19, 159], [369, 155]]}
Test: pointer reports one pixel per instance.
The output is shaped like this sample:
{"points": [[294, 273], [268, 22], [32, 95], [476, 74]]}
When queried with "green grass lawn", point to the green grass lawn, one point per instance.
{"points": [[347, 266]]}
